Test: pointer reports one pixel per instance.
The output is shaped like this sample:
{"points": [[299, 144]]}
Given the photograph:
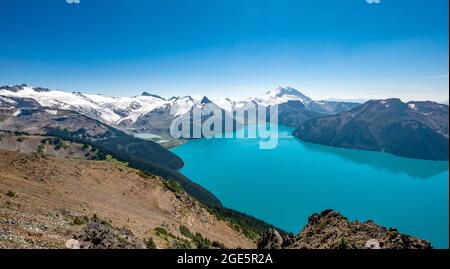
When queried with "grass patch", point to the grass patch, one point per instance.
{"points": [[185, 231], [249, 226], [200, 241], [160, 231], [80, 220], [41, 150], [342, 244], [111, 159], [175, 241], [173, 186], [145, 175], [322, 224]]}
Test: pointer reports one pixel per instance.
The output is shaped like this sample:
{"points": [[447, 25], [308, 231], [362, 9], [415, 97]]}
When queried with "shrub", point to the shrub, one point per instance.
{"points": [[41, 150], [145, 175], [185, 231], [161, 231], [342, 244], [201, 242], [150, 244], [218, 245], [173, 186], [79, 220]]}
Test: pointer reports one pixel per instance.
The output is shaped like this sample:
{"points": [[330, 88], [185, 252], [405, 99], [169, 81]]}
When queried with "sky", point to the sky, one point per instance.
{"points": [[328, 49]]}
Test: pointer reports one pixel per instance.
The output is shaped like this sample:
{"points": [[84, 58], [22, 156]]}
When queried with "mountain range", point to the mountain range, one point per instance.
{"points": [[414, 129], [149, 113]]}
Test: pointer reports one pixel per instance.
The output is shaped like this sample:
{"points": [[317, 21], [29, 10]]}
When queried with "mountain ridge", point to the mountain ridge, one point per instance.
{"points": [[415, 129], [127, 110]]}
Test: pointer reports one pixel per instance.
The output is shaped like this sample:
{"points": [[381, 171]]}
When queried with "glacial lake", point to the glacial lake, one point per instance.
{"points": [[284, 186]]}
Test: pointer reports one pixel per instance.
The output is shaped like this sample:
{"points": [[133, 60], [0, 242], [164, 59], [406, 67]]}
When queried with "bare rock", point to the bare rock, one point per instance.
{"points": [[73, 244], [331, 230], [100, 234]]}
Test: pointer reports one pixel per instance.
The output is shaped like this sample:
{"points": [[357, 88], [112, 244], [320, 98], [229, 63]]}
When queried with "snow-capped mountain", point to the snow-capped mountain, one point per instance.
{"points": [[111, 110], [277, 96], [282, 95], [148, 112]]}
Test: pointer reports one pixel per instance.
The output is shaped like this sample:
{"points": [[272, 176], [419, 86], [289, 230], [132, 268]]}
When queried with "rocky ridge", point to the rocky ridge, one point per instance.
{"points": [[331, 230]]}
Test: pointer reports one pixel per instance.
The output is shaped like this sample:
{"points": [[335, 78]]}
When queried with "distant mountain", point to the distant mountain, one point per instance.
{"points": [[152, 113], [294, 107], [331, 107], [294, 113], [282, 95], [415, 129]]}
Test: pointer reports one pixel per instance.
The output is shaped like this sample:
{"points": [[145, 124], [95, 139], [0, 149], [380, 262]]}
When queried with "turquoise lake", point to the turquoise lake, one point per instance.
{"points": [[284, 186]]}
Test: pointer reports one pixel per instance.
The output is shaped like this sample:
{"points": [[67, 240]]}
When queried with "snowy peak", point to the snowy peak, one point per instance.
{"points": [[282, 95], [287, 91]]}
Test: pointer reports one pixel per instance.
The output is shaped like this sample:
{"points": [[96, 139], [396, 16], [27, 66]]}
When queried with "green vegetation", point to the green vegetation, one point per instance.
{"points": [[140, 154], [250, 226], [177, 243], [393, 233], [80, 220], [185, 231], [11, 193], [342, 244], [173, 186], [41, 150], [150, 244], [160, 231], [61, 144], [322, 224], [111, 159], [145, 175], [199, 241], [152, 159]]}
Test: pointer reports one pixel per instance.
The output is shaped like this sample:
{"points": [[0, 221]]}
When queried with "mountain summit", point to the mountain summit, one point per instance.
{"points": [[288, 91], [282, 95]]}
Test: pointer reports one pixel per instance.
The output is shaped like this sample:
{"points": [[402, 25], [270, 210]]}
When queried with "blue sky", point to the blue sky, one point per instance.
{"points": [[345, 49]]}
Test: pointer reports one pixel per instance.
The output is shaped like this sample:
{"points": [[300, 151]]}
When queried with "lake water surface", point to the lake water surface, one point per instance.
{"points": [[286, 185]]}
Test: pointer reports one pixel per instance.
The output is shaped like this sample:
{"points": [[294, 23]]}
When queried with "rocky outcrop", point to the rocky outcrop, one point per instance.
{"points": [[331, 230], [100, 234], [273, 239]]}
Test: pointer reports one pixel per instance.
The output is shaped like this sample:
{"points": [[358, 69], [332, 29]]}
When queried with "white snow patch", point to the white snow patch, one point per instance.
{"points": [[17, 113], [51, 112], [412, 106]]}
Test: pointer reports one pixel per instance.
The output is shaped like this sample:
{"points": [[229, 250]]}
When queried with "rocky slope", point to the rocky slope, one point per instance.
{"points": [[59, 203], [414, 129], [28, 117], [331, 230]]}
